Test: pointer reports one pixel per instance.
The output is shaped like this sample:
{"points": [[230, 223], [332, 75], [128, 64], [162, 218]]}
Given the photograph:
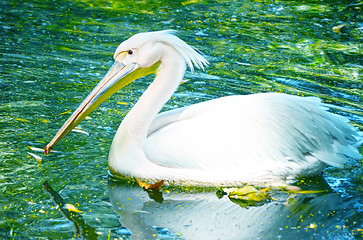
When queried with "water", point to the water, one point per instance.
{"points": [[54, 52]]}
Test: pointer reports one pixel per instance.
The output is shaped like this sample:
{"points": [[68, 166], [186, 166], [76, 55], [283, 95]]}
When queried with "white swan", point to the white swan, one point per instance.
{"points": [[258, 139]]}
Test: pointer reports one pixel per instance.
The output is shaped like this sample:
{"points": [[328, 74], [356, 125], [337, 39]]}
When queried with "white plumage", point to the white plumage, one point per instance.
{"points": [[261, 138]]}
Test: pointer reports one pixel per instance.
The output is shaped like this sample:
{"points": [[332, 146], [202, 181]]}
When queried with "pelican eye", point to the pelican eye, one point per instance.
{"points": [[130, 52]]}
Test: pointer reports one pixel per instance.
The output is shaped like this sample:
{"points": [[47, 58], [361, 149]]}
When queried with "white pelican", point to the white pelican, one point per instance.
{"points": [[262, 139]]}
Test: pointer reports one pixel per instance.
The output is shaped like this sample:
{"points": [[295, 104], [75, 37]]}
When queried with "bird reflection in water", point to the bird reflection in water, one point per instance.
{"points": [[198, 213]]}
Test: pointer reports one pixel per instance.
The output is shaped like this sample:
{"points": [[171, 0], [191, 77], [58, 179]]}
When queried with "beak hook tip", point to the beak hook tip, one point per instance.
{"points": [[46, 150]]}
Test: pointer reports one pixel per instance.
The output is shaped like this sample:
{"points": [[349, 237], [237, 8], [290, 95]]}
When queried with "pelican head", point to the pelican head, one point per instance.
{"points": [[138, 56]]}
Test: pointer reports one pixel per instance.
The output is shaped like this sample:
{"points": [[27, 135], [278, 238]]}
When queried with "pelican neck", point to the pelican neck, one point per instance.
{"points": [[167, 79]]}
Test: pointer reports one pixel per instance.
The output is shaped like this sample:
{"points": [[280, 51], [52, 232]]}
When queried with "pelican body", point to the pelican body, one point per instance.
{"points": [[260, 139]]}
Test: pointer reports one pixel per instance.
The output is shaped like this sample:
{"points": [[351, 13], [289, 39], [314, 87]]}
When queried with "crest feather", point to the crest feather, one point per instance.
{"points": [[191, 55]]}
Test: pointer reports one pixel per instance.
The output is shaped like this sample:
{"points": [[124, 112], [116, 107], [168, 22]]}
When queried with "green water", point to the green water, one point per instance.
{"points": [[54, 52]]}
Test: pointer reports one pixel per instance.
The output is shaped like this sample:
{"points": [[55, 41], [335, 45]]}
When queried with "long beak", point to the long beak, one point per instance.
{"points": [[116, 78]]}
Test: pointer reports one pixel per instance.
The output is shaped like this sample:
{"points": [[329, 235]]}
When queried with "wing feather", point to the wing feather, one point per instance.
{"points": [[252, 135]]}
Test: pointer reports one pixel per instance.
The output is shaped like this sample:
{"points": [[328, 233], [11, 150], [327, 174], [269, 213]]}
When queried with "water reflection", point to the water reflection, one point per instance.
{"points": [[71, 213], [202, 215]]}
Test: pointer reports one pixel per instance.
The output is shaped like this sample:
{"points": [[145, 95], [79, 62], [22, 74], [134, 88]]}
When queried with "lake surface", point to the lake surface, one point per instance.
{"points": [[54, 52]]}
